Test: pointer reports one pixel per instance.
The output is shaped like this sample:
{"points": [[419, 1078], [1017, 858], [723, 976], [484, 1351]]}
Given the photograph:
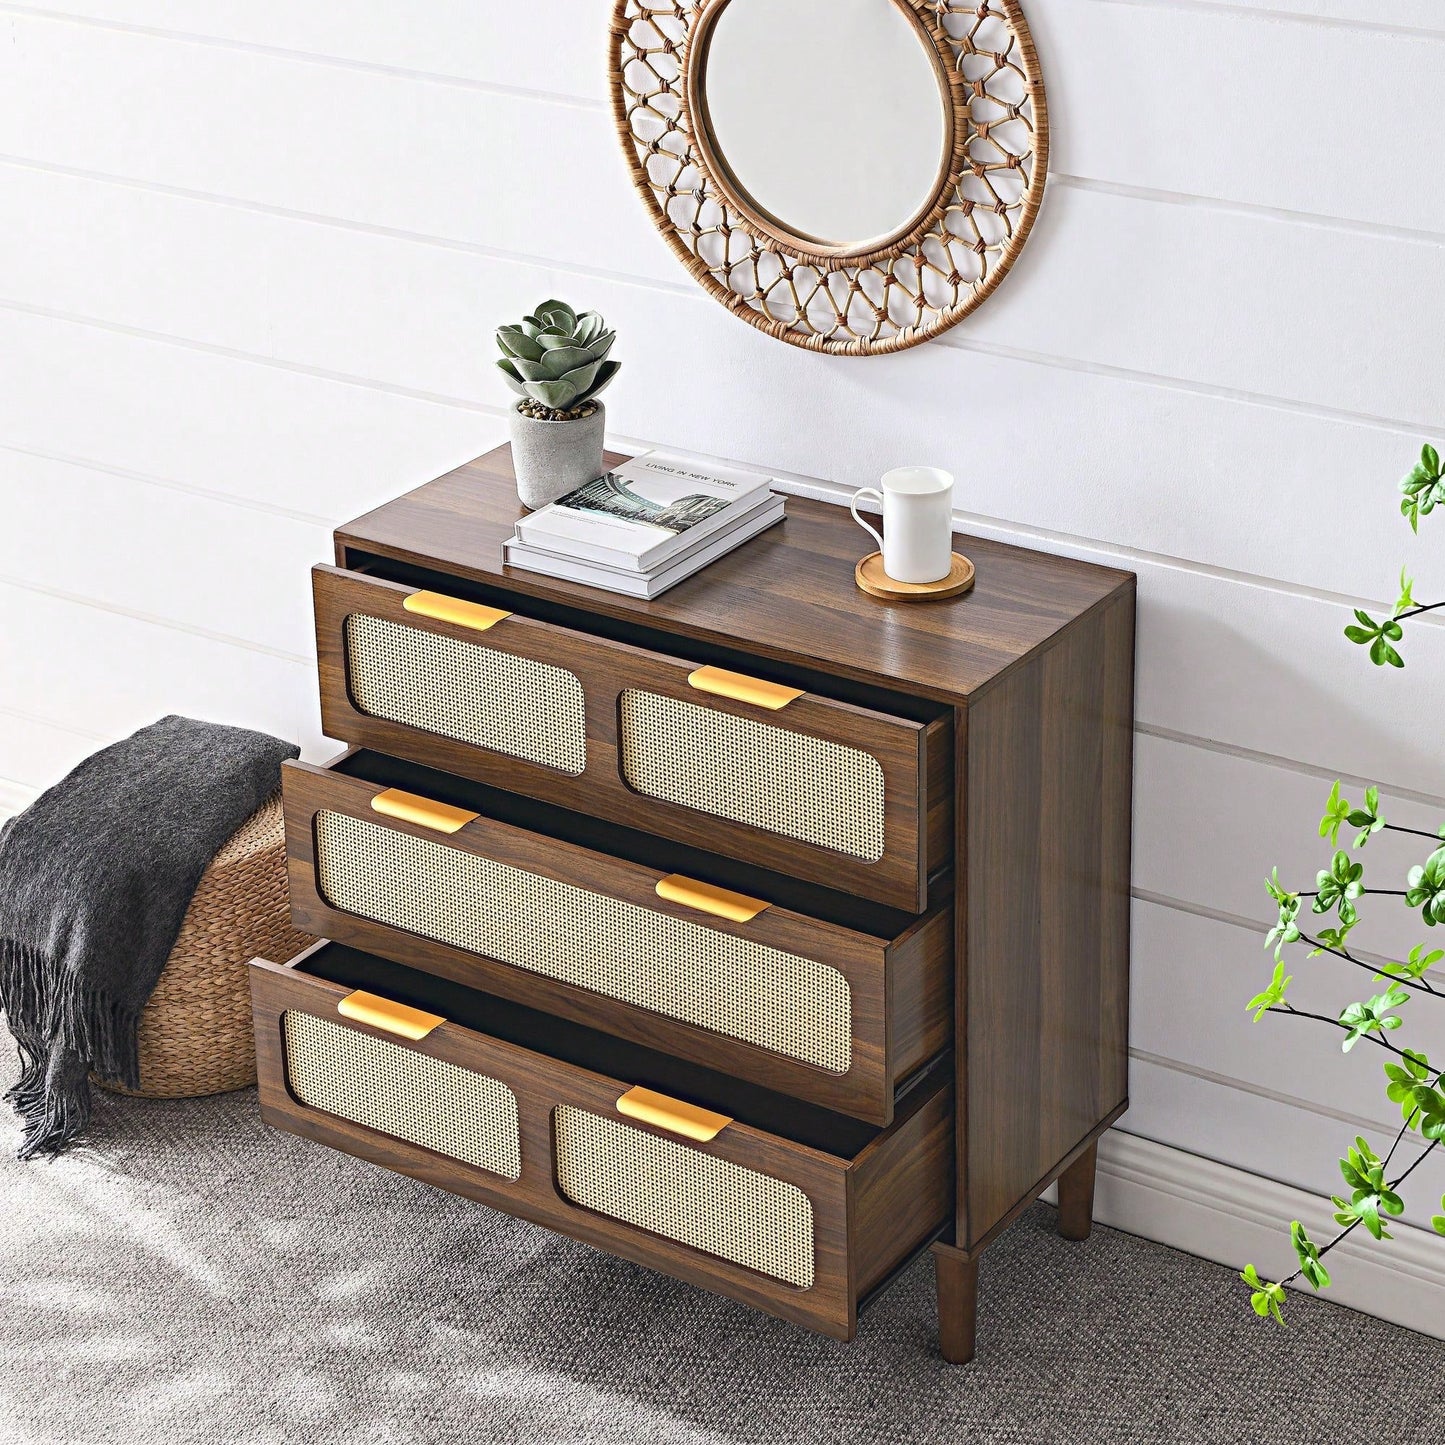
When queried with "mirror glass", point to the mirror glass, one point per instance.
{"points": [[829, 114]]}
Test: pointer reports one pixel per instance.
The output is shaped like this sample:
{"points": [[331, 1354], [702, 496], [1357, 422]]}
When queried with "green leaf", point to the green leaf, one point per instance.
{"points": [[1311, 1266], [1261, 1003], [605, 373], [1368, 819], [600, 345], [1337, 811], [514, 378], [1338, 886], [1286, 928], [1372, 1016], [1422, 487], [533, 370], [1264, 1299], [559, 395], [1335, 938], [589, 327], [1381, 653], [515, 342], [1378, 636], [1406, 600], [559, 360], [1402, 1081], [558, 309], [1438, 1221], [1362, 1170], [1431, 1104], [1418, 963], [582, 377], [1425, 888]]}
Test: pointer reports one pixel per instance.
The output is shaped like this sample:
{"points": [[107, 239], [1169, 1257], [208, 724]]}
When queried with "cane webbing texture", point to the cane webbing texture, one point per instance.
{"points": [[424, 1101], [685, 1195], [780, 1001], [785, 782], [478, 695]]}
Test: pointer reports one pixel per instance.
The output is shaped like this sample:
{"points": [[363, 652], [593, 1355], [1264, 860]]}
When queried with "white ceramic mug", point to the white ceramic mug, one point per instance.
{"points": [[917, 539]]}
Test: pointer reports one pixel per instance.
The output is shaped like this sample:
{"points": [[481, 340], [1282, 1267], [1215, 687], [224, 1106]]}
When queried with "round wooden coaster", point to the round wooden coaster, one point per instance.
{"points": [[871, 577]]}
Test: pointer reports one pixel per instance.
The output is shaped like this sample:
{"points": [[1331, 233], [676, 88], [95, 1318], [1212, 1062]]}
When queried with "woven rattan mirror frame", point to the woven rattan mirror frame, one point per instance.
{"points": [[896, 294]]}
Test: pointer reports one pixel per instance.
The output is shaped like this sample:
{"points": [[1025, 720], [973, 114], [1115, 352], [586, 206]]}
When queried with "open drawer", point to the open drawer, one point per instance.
{"points": [[807, 992], [786, 1207], [849, 796]]}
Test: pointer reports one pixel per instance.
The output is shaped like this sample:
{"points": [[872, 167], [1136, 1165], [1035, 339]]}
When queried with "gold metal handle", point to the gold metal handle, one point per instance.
{"points": [[388, 1015], [673, 1115], [456, 610], [709, 898], [741, 688], [424, 812]]}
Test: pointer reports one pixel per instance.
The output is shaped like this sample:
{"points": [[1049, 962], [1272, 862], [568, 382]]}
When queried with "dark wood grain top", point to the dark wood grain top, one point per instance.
{"points": [[788, 595]]}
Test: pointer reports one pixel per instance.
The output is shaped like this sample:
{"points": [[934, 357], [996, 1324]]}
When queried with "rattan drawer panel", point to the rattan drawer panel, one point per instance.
{"points": [[833, 1013], [779, 1001], [646, 1179], [472, 694], [848, 796], [373, 1081], [769, 777], [788, 1208]]}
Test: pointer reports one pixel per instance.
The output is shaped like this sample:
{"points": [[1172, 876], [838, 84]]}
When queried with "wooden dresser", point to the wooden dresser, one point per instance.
{"points": [[765, 934]]}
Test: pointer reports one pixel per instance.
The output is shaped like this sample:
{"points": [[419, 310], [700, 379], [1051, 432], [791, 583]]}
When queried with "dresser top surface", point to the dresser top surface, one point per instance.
{"points": [[787, 595]]}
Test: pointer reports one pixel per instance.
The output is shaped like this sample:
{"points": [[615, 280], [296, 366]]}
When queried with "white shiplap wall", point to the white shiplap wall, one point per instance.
{"points": [[253, 251]]}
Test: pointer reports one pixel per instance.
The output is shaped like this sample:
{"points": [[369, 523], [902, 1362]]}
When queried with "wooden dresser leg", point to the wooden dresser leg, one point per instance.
{"points": [[957, 1277], [1076, 1195]]}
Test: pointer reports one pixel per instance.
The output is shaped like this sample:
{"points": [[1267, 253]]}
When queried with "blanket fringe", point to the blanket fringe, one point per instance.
{"points": [[64, 1031]]}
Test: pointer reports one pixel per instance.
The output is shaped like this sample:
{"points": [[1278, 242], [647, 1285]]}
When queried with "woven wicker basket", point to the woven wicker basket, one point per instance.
{"points": [[195, 1033]]}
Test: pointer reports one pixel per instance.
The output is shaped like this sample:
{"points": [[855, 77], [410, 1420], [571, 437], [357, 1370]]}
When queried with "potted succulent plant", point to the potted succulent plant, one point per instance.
{"points": [[556, 361]]}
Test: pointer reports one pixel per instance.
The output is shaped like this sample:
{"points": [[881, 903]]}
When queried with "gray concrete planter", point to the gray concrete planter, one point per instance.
{"points": [[552, 458]]}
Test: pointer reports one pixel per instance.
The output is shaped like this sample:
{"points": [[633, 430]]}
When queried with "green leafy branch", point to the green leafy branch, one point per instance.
{"points": [[1374, 1190], [1422, 489]]}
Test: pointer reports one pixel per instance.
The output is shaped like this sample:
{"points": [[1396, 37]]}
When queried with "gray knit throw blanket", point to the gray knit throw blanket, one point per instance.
{"points": [[95, 878]]}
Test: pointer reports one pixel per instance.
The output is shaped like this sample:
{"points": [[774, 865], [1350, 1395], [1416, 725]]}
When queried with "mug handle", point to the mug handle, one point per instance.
{"points": [[866, 526]]}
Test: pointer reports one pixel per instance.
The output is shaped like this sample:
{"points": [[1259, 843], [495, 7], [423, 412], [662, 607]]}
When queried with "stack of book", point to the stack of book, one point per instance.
{"points": [[646, 526]]}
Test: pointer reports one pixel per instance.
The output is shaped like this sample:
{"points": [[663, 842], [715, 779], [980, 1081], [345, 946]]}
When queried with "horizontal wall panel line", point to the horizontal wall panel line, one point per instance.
{"points": [[23, 715], [1299, 17], [14, 797], [803, 486], [1319, 220], [1111, 553], [1356, 1122], [586, 102], [1257, 927], [231, 353], [231, 499], [308, 57], [154, 620], [813, 487], [957, 338], [682, 286], [1274, 760], [1317, 410]]}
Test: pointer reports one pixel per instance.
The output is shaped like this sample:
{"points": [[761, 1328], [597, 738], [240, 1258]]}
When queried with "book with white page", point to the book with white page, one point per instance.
{"points": [[644, 584], [645, 512]]}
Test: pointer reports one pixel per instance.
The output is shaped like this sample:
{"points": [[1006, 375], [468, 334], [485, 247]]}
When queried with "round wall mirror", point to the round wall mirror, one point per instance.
{"points": [[851, 176], [836, 133]]}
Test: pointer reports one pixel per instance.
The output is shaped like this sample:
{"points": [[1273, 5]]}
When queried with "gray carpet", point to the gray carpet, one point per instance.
{"points": [[193, 1276]]}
